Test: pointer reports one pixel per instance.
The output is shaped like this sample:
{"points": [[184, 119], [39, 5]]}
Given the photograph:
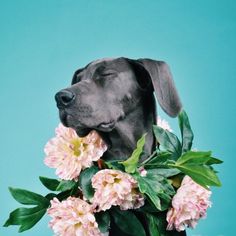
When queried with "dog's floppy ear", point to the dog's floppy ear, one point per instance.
{"points": [[163, 85]]}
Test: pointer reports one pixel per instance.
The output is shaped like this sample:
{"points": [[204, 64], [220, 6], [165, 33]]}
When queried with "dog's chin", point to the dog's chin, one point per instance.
{"points": [[82, 132], [103, 127]]}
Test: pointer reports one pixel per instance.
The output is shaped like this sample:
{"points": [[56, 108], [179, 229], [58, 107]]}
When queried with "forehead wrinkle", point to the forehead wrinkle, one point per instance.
{"points": [[99, 66], [117, 64]]}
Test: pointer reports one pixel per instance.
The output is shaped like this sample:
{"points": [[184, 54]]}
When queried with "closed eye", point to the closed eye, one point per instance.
{"points": [[105, 77], [108, 73], [105, 74]]}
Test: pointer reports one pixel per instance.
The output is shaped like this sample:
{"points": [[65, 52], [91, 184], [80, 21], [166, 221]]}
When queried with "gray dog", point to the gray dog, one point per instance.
{"points": [[115, 98]]}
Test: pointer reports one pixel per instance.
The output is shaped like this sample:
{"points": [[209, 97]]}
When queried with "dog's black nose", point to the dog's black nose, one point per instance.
{"points": [[64, 98]]}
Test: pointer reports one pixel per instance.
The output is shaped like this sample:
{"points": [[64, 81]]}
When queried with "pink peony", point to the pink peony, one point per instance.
{"points": [[69, 154], [73, 217], [188, 205], [115, 188], [163, 124]]}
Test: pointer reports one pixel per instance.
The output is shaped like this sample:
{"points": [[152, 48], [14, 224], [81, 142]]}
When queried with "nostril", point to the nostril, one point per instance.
{"points": [[64, 97]]}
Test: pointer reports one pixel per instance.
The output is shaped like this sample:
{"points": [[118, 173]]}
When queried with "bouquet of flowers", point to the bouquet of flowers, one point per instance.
{"points": [[167, 191]]}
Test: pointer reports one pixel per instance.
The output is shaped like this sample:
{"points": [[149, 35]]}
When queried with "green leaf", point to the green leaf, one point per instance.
{"points": [[157, 223], [131, 163], [197, 158], [159, 160], [56, 185], [148, 189], [103, 220], [127, 222], [63, 195], [85, 181], [66, 185], [148, 207], [202, 175], [25, 217], [152, 225], [115, 165], [50, 196], [28, 198], [165, 172], [195, 164], [186, 131], [214, 160], [156, 187], [168, 140], [50, 184]]}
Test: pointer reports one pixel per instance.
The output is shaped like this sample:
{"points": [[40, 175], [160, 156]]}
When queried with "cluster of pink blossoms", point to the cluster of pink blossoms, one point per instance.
{"points": [[188, 205], [73, 217], [115, 188], [70, 154]]}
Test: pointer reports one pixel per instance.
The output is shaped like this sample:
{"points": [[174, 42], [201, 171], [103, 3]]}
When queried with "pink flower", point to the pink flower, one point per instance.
{"points": [[163, 124], [188, 205], [72, 217], [70, 154], [115, 188]]}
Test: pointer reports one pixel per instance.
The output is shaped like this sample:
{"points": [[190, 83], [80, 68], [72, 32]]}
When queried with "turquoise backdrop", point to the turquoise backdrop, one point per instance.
{"points": [[43, 42]]}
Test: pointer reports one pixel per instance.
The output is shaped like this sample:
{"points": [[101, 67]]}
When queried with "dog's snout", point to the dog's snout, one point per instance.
{"points": [[64, 98]]}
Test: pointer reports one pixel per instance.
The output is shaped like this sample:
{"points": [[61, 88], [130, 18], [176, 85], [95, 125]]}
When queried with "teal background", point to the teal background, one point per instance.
{"points": [[43, 42]]}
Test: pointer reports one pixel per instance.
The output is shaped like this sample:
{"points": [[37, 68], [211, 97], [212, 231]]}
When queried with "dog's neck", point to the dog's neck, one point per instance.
{"points": [[122, 140]]}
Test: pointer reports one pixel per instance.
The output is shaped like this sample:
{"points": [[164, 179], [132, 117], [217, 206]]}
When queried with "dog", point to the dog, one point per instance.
{"points": [[116, 97]]}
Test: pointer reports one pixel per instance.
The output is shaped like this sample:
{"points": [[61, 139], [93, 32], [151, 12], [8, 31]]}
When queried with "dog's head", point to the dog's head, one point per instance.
{"points": [[106, 90]]}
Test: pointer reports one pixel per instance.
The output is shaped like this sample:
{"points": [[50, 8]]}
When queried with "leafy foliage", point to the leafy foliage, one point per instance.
{"points": [[152, 225], [166, 165], [85, 181], [49, 183], [186, 131], [103, 220], [65, 185], [194, 157], [157, 188], [159, 160], [178, 155], [26, 218], [56, 185], [166, 173], [28, 198], [196, 165], [157, 225], [168, 141], [115, 165], [128, 222], [131, 163]]}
